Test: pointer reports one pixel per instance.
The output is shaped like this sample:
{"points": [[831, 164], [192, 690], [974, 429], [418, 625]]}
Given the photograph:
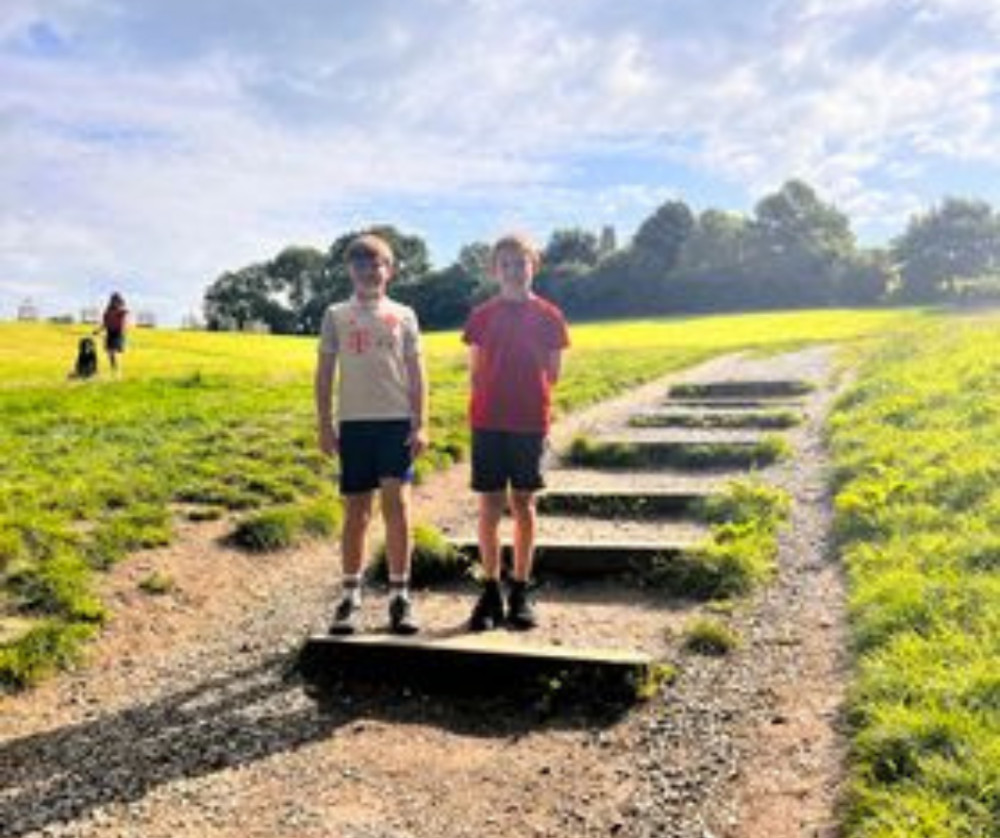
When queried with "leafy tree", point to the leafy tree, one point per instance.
{"points": [[295, 272], [658, 241], [571, 247], [795, 241], [238, 298], [715, 245], [959, 239]]}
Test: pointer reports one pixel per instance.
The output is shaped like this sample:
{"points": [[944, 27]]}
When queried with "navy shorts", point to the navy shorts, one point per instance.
{"points": [[501, 459], [371, 451]]}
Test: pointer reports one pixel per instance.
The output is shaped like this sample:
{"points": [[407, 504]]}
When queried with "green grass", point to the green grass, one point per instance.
{"points": [[223, 423], [917, 478], [740, 554], [707, 636], [434, 560]]}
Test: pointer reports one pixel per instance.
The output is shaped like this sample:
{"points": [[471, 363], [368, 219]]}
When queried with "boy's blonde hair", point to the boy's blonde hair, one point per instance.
{"points": [[371, 244], [519, 242]]}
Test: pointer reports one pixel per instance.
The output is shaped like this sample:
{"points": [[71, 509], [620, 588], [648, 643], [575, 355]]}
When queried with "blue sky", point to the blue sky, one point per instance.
{"points": [[149, 145]]}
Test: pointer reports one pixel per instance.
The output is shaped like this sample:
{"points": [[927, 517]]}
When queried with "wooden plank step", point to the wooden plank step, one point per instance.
{"points": [[622, 502], [587, 558], [746, 388], [492, 663], [732, 402], [686, 417], [697, 452]]}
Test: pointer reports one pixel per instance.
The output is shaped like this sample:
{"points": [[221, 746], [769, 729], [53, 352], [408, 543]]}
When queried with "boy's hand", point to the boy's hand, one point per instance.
{"points": [[329, 444], [417, 440]]}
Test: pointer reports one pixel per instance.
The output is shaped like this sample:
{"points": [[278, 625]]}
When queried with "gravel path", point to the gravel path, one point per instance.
{"points": [[183, 722]]}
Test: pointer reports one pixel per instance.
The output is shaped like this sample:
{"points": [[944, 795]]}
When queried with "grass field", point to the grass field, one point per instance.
{"points": [[918, 521], [209, 425]]}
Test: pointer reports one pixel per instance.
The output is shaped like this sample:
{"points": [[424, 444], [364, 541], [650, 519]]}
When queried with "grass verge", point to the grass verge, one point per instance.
{"points": [[917, 485]]}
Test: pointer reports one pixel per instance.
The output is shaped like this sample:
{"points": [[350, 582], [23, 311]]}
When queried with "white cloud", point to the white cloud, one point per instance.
{"points": [[173, 140]]}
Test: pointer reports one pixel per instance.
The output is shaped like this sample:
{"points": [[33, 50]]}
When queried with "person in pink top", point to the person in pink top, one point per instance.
{"points": [[372, 344], [515, 340]]}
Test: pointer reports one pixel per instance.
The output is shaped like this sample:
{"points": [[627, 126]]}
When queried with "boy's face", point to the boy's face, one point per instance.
{"points": [[370, 273], [513, 268]]}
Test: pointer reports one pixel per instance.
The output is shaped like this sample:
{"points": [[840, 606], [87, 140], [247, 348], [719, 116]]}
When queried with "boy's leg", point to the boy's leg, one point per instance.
{"points": [[353, 547], [394, 465], [491, 507], [525, 525], [395, 495], [526, 479], [488, 612]]}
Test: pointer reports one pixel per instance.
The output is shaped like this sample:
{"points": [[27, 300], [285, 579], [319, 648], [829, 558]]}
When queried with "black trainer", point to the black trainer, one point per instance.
{"points": [[521, 607], [345, 618], [488, 612], [401, 619]]}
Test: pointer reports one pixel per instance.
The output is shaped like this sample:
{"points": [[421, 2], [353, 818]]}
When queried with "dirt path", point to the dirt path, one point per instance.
{"points": [[182, 723]]}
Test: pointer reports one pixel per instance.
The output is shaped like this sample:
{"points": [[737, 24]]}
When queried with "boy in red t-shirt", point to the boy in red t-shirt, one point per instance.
{"points": [[515, 343]]}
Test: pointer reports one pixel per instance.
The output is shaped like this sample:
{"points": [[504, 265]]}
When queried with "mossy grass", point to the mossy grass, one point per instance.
{"points": [[282, 527], [759, 419], [157, 583], [225, 422], [739, 554], [434, 560], [593, 453], [711, 637], [917, 516]]}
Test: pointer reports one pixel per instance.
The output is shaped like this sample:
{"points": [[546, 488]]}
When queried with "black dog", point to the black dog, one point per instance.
{"points": [[86, 359]]}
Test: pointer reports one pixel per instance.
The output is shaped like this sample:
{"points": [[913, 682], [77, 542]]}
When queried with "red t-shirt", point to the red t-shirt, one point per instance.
{"points": [[512, 391]]}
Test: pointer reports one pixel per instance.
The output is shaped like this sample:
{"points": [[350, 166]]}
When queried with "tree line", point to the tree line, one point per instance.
{"points": [[794, 251]]}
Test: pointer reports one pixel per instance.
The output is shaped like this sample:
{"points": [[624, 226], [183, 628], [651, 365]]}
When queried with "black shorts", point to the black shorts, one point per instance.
{"points": [[371, 451], [501, 459], [114, 341]]}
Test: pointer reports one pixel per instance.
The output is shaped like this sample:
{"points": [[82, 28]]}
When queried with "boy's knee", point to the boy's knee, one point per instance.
{"points": [[522, 502]]}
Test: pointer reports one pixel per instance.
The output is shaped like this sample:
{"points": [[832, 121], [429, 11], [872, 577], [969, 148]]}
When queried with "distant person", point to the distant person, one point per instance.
{"points": [[516, 340], [373, 344], [114, 322]]}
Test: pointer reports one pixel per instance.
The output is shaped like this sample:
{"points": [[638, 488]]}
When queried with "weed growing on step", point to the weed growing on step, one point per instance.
{"points": [[434, 560], [741, 551]]}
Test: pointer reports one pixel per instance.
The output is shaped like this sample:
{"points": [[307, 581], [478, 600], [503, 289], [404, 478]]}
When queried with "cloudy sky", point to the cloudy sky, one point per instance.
{"points": [[149, 145]]}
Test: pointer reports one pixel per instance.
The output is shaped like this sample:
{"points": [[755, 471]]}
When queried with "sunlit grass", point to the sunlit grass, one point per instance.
{"points": [[214, 425], [918, 520]]}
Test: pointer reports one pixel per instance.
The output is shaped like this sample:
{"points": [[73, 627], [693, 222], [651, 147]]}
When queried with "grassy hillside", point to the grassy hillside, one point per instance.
{"points": [[209, 425], [918, 519]]}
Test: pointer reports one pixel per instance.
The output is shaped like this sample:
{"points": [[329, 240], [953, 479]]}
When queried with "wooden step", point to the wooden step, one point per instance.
{"points": [[685, 417], [626, 503], [497, 663], [697, 452], [587, 558], [732, 403], [745, 388]]}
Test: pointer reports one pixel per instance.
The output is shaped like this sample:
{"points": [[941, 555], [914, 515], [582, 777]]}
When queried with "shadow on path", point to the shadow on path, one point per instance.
{"points": [[234, 720]]}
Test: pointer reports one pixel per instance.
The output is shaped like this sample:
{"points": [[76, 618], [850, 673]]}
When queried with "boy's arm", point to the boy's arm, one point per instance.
{"points": [[417, 377], [323, 392], [474, 361], [553, 365]]}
